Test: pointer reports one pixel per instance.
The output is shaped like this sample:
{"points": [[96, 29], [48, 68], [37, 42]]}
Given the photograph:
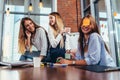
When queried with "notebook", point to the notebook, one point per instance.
{"points": [[15, 63], [97, 68]]}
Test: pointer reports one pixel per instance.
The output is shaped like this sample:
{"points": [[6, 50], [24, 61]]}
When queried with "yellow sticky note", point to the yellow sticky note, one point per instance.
{"points": [[86, 22]]}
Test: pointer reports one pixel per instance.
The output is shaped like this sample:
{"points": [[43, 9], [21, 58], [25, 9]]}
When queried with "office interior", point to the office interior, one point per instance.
{"points": [[106, 13]]}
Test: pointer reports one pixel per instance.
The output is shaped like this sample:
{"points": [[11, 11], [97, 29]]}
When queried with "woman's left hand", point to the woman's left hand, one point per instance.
{"points": [[62, 31]]}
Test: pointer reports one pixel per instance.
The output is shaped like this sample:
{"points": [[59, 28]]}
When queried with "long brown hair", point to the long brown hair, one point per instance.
{"points": [[94, 29], [59, 25], [22, 36]]}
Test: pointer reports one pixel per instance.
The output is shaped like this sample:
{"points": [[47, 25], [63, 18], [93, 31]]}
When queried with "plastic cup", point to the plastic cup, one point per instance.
{"points": [[68, 29], [67, 56], [36, 61]]}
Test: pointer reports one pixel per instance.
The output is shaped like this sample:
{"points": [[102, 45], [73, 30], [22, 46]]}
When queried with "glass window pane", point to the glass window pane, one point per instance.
{"points": [[116, 19], [10, 36], [45, 10], [101, 17], [15, 5], [86, 3], [86, 7]]}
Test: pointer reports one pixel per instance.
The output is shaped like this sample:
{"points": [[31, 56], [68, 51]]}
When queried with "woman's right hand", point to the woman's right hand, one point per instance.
{"points": [[27, 42], [28, 33], [62, 31]]}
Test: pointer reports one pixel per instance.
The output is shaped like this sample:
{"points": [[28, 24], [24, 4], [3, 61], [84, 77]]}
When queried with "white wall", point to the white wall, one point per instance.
{"points": [[1, 17]]}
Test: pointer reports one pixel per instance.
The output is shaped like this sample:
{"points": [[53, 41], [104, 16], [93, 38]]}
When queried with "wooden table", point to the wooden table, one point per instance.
{"points": [[56, 73]]}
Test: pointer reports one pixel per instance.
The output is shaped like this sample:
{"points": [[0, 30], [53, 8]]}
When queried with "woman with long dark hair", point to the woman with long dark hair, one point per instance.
{"points": [[92, 50]]}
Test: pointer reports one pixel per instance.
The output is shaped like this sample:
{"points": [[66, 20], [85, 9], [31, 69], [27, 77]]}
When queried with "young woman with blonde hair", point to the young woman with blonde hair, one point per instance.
{"points": [[58, 37]]}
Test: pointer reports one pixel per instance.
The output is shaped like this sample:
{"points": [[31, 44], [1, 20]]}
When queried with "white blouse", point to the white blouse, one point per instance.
{"points": [[55, 41]]}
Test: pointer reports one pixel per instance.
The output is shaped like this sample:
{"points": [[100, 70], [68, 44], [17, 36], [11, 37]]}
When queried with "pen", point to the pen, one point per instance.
{"points": [[54, 65], [58, 60]]}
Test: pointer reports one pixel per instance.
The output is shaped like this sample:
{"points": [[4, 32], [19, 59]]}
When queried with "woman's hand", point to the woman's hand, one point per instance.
{"points": [[63, 61], [68, 30], [28, 33], [71, 52], [68, 51], [62, 31], [27, 41]]}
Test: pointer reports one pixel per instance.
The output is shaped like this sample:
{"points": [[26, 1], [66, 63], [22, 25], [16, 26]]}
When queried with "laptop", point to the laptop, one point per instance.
{"points": [[98, 68], [15, 63]]}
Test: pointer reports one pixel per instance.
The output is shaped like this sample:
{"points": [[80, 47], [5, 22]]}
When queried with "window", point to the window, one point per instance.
{"points": [[116, 22], [101, 17], [86, 7]]}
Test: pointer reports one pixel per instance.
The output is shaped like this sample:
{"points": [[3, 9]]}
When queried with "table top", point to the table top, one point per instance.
{"points": [[55, 73]]}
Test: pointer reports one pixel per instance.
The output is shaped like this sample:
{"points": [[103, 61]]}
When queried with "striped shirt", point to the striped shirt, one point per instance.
{"points": [[40, 41], [55, 41]]}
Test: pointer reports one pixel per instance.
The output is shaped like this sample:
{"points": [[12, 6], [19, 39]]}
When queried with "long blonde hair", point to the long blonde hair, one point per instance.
{"points": [[22, 36], [59, 25]]}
